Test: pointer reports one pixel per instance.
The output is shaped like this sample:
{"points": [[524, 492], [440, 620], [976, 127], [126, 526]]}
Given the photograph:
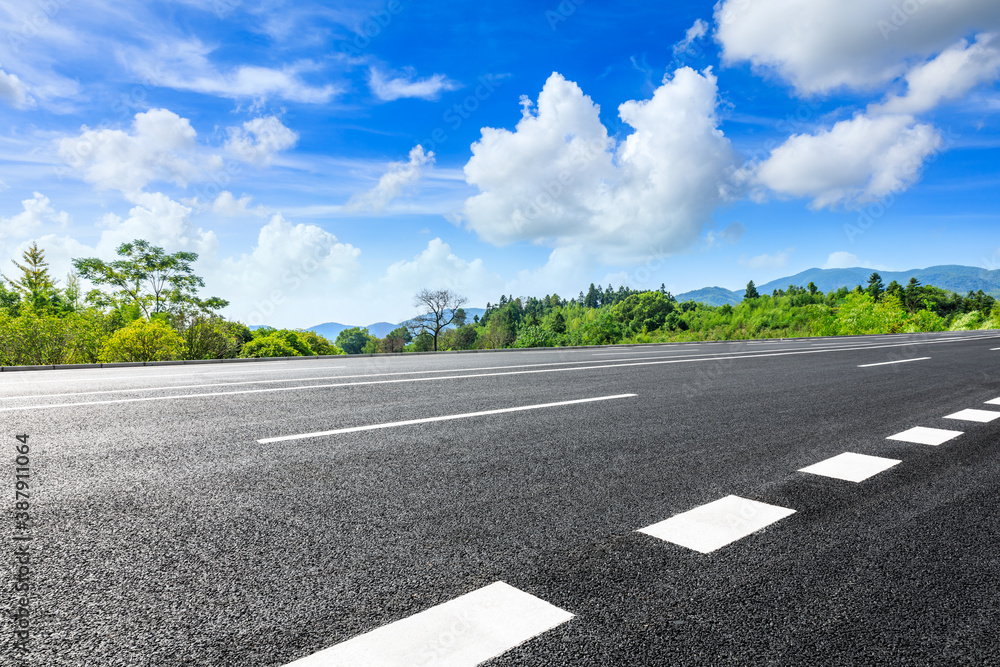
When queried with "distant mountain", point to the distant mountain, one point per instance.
{"points": [[712, 296], [959, 279], [330, 330]]}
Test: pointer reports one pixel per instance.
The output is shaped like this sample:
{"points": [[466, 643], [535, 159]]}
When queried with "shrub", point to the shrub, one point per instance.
{"points": [[143, 340]]}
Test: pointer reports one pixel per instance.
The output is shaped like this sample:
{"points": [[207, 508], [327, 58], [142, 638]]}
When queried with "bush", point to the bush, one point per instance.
{"points": [[269, 345], [533, 336], [143, 340]]}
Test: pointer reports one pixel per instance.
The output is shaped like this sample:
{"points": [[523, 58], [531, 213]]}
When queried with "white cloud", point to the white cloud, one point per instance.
{"points": [[824, 44], [389, 88], [161, 147], [13, 92], [567, 270], [160, 220], [842, 260], [695, 32], [731, 235], [856, 161], [776, 261], [36, 212], [950, 75], [559, 179], [184, 65], [259, 139], [229, 206], [398, 177]]}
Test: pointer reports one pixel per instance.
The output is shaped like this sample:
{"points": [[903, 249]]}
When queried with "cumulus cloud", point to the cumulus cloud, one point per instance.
{"points": [[559, 179], [776, 261], [821, 45], [160, 147], [35, 213], [950, 75], [856, 161], [259, 139], [13, 92], [398, 177], [161, 221], [846, 260], [388, 88]]}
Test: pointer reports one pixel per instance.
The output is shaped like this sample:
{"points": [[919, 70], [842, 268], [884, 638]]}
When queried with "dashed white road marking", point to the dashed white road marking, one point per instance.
{"points": [[428, 420], [922, 435], [995, 401], [713, 526], [463, 632], [851, 467], [981, 416], [889, 363]]}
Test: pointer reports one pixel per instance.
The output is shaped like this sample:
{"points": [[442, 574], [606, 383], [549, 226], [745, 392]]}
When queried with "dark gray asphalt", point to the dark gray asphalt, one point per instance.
{"points": [[167, 535]]}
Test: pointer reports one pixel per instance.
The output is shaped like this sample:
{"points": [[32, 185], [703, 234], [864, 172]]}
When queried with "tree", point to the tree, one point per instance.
{"points": [[812, 288], [559, 323], [395, 340], [143, 340], [875, 286], [149, 278], [443, 307], [751, 292], [36, 287], [353, 340]]}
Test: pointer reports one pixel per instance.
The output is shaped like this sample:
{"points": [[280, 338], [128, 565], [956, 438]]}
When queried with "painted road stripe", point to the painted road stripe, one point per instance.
{"points": [[621, 363], [463, 632], [889, 363], [995, 401], [428, 420], [922, 435], [981, 416], [713, 526], [851, 467]]}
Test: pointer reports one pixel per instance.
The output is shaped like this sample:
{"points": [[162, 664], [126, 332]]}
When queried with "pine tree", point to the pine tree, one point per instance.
{"points": [[752, 292], [36, 286]]}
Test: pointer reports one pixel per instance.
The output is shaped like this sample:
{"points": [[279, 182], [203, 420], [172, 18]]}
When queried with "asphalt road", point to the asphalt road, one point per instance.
{"points": [[165, 532]]}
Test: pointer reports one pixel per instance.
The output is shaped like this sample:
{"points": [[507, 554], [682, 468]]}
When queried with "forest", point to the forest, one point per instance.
{"points": [[145, 306]]}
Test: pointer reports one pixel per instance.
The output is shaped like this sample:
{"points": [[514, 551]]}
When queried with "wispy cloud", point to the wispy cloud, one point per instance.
{"points": [[388, 87]]}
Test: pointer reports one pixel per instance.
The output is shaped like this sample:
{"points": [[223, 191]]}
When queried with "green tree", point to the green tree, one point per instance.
{"points": [[143, 340], [353, 340], [35, 286], [646, 311], [559, 323], [148, 277], [269, 345], [875, 286], [395, 340], [751, 292]]}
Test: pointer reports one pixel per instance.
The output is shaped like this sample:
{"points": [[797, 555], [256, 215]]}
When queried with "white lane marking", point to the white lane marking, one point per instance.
{"points": [[922, 435], [463, 632], [889, 363], [713, 526], [623, 363], [981, 416], [851, 467], [428, 420], [96, 377]]}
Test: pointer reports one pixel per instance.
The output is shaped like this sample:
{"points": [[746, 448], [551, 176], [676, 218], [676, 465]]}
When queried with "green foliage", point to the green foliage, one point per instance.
{"points": [[644, 312], [143, 340], [212, 337], [354, 340], [533, 336], [422, 342], [270, 345], [751, 292], [148, 277]]}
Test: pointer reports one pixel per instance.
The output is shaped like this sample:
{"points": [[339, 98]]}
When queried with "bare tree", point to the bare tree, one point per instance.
{"points": [[443, 308]]}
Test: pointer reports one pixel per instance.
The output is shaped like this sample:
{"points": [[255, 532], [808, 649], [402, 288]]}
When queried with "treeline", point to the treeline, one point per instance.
{"points": [[145, 307], [609, 316]]}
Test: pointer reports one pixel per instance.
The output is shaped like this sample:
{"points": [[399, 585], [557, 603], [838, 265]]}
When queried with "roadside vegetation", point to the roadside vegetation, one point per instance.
{"points": [[145, 306]]}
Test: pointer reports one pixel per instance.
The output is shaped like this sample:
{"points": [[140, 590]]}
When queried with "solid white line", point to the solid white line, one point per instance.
{"points": [[889, 363], [623, 363], [463, 632], [428, 420]]}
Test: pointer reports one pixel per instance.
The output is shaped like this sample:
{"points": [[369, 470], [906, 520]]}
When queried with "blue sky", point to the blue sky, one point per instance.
{"points": [[328, 160]]}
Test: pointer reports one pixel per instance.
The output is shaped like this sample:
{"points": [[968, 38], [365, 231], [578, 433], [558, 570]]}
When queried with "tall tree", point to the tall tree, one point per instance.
{"points": [[751, 292], [35, 285], [149, 278], [875, 286], [442, 309]]}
